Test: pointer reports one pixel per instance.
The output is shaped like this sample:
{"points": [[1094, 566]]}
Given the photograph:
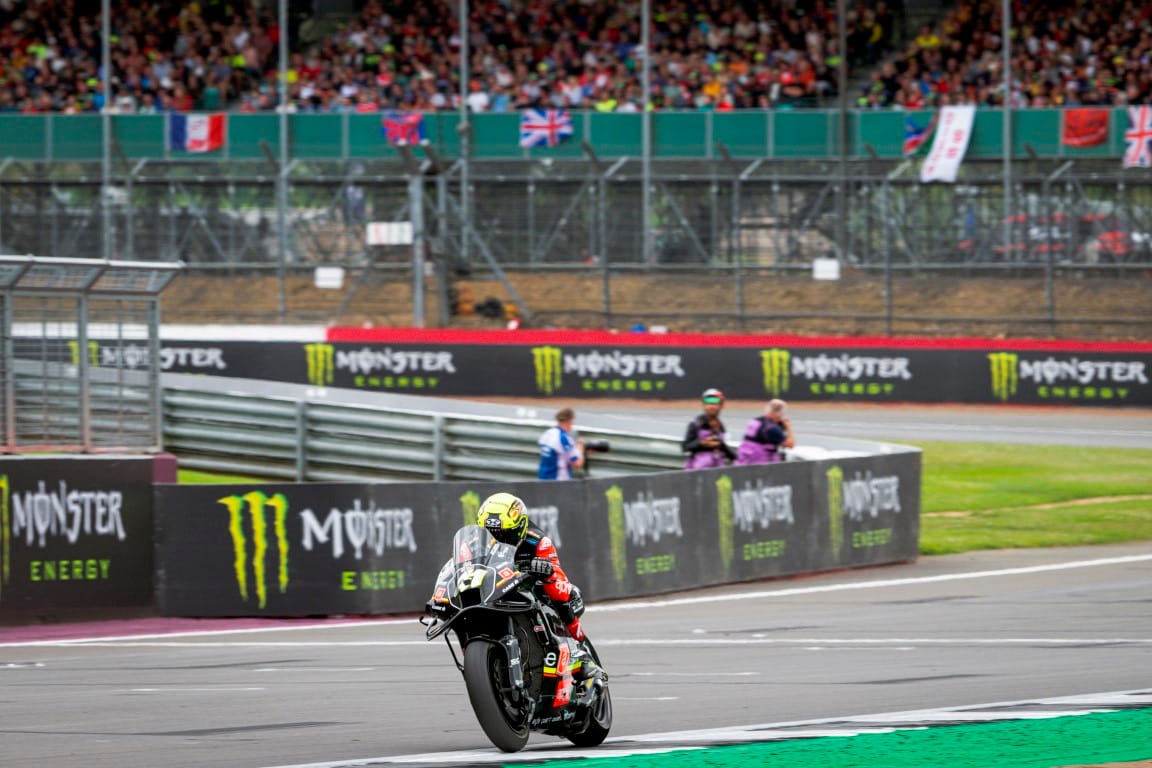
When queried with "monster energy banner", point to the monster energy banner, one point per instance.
{"points": [[818, 373], [297, 549], [309, 549], [76, 535], [672, 531], [313, 549]]}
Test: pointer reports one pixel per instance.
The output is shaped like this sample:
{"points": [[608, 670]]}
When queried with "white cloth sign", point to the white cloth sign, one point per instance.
{"points": [[949, 144]]}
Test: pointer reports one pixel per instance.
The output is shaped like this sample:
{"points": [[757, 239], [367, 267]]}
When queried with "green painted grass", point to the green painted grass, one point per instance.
{"points": [[1110, 737]]}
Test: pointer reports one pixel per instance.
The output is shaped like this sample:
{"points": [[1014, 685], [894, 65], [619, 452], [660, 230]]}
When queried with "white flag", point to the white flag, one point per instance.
{"points": [[949, 144]]}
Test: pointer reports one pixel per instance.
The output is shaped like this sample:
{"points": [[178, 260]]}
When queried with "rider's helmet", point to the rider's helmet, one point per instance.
{"points": [[712, 396], [505, 517]]}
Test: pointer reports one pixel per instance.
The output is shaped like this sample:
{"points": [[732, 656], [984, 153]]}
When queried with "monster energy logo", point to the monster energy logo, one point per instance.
{"points": [[93, 352], [547, 362], [1004, 367], [617, 533], [724, 518], [470, 505], [321, 364], [774, 364], [5, 532], [258, 504], [835, 477]]}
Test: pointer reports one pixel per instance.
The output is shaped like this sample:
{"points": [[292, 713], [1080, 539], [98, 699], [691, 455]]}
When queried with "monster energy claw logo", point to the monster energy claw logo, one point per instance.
{"points": [[5, 532], [321, 364], [725, 519], [617, 532], [470, 505], [1005, 371], [93, 353], [258, 504], [774, 363], [547, 362], [835, 477]]}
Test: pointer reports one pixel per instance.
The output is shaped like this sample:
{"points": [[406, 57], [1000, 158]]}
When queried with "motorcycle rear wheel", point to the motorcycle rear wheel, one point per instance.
{"points": [[599, 718], [485, 670], [599, 723]]}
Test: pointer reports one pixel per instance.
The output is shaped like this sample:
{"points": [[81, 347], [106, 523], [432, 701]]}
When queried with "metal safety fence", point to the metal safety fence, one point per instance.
{"points": [[1061, 220], [301, 439], [720, 212], [60, 397]]}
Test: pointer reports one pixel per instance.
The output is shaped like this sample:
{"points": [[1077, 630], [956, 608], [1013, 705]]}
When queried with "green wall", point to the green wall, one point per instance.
{"points": [[746, 134]]}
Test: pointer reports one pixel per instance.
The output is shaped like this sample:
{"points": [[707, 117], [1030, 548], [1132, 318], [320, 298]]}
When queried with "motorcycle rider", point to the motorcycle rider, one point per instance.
{"points": [[505, 517]]}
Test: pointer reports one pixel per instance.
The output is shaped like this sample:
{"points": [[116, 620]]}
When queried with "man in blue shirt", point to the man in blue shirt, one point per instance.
{"points": [[559, 452]]}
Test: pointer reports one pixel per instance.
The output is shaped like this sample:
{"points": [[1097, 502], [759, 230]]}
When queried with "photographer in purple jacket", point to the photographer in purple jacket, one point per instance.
{"points": [[766, 437]]}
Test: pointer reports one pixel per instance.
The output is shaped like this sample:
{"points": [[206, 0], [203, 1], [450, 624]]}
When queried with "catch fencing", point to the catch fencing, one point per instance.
{"points": [[723, 213], [1074, 235], [56, 391]]}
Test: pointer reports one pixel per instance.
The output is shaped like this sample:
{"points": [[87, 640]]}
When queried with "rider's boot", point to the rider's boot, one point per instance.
{"points": [[589, 672]]}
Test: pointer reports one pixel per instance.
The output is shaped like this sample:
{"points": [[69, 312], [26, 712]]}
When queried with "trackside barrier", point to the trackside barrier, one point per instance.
{"points": [[285, 549], [292, 436], [576, 365], [110, 536], [77, 536]]}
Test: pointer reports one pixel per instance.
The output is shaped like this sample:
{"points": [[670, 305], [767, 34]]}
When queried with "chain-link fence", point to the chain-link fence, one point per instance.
{"points": [[80, 365]]}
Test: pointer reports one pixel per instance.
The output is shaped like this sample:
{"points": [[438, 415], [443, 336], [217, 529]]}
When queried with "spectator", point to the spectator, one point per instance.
{"points": [[524, 54], [766, 436], [705, 441], [559, 452]]}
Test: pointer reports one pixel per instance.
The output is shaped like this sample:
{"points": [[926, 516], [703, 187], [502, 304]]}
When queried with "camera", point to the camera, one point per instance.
{"points": [[599, 446]]}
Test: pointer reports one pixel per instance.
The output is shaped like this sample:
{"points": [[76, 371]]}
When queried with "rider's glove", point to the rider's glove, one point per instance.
{"points": [[576, 602], [539, 567]]}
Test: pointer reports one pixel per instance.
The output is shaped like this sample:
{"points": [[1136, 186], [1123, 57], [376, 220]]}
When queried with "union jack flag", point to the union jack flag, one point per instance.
{"points": [[1138, 136], [403, 128], [544, 127]]}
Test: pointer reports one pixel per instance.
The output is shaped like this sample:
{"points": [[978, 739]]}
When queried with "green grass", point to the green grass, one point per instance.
{"points": [[193, 476], [1000, 496]]}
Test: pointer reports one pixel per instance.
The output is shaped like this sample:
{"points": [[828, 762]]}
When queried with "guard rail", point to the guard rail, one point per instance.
{"points": [[302, 439]]}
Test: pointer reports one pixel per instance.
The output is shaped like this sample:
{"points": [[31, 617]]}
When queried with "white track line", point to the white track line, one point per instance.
{"points": [[630, 605], [834, 726]]}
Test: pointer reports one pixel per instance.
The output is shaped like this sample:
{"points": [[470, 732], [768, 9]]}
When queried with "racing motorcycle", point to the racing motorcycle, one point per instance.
{"points": [[518, 659]]}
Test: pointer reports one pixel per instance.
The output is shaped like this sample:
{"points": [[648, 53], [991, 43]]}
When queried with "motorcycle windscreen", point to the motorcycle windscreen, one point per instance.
{"points": [[478, 562], [474, 544]]}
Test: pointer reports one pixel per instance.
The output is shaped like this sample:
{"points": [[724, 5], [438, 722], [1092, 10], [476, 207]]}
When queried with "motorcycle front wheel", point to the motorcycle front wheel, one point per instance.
{"points": [[485, 674]]}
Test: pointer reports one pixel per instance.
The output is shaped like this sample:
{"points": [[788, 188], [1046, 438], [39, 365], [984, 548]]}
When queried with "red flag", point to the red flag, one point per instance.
{"points": [[1085, 127]]}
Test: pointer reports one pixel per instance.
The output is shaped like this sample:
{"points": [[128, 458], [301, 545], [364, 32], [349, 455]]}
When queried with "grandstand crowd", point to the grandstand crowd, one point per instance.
{"points": [[210, 55]]}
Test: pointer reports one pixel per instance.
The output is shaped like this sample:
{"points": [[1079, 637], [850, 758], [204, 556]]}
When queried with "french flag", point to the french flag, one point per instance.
{"points": [[196, 133]]}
